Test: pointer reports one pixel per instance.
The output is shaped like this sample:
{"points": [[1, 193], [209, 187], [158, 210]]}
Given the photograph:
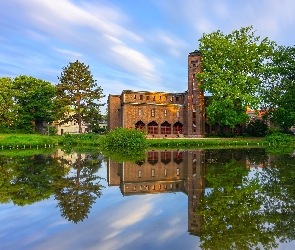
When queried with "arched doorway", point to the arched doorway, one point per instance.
{"points": [[177, 128], [153, 128], [165, 128], [139, 125]]}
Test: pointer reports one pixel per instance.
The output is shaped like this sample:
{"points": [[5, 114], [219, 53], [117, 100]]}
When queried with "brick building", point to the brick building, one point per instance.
{"points": [[162, 114]]}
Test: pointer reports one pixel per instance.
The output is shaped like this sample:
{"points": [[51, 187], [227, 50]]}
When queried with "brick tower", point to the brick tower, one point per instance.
{"points": [[195, 126]]}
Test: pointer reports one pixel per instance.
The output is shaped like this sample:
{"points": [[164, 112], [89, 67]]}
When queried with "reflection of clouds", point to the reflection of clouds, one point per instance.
{"points": [[115, 222], [137, 214]]}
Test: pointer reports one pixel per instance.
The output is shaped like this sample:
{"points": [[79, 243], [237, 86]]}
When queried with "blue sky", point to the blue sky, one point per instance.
{"points": [[128, 44]]}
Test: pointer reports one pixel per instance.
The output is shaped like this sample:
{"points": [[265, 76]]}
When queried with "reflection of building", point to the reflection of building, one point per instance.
{"points": [[163, 171], [69, 158], [171, 171]]}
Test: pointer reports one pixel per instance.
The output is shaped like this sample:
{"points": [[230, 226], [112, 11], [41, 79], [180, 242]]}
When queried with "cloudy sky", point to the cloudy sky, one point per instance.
{"points": [[128, 44]]}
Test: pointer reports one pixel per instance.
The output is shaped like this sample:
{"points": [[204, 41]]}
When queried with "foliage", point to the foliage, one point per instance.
{"points": [[77, 88], [86, 139], [232, 65], [257, 128], [276, 139], [279, 87], [124, 140], [34, 100], [7, 107]]}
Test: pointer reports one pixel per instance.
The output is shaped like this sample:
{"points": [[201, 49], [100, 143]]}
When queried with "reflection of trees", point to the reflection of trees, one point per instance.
{"points": [[278, 183], [77, 192], [28, 179], [231, 210], [25, 180]]}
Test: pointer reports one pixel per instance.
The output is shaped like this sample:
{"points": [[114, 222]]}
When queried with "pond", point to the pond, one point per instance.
{"points": [[178, 199]]}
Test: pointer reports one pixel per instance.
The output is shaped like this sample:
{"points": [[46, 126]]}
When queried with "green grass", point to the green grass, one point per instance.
{"points": [[8, 141], [209, 142]]}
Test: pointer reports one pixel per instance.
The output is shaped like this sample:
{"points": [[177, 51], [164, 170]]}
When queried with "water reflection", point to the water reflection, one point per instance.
{"points": [[70, 178], [237, 199]]}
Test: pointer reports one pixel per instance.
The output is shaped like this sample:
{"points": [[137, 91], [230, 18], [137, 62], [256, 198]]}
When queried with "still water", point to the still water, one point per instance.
{"points": [[181, 199]]}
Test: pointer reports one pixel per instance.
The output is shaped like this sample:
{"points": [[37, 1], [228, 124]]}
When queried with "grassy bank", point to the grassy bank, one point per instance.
{"points": [[9, 141], [206, 142], [23, 141]]}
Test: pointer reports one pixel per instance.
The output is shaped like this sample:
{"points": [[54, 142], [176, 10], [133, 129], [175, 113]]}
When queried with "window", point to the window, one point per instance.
{"points": [[165, 112], [165, 172], [140, 97], [134, 97], [177, 98], [177, 113], [153, 112], [154, 98], [177, 171], [147, 98], [171, 99], [139, 173], [139, 112], [147, 187], [134, 188], [153, 172]]}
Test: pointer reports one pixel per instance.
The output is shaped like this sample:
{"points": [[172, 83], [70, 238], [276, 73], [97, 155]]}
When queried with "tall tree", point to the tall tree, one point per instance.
{"points": [[279, 87], [232, 66], [77, 88], [35, 100]]}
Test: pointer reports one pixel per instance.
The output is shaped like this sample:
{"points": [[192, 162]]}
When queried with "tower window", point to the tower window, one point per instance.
{"points": [[147, 97], [139, 112], [134, 97], [140, 97], [165, 112]]}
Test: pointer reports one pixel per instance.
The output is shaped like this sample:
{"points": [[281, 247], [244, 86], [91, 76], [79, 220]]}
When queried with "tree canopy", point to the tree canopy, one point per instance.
{"points": [[279, 87], [78, 89], [232, 67]]}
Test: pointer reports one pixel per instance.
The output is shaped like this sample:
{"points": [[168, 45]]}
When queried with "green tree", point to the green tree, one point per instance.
{"points": [[77, 88], [232, 66], [35, 100], [7, 105], [279, 88]]}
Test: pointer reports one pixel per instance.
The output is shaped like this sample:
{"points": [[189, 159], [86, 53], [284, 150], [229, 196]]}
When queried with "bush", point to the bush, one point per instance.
{"points": [[257, 128], [280, 138], [123, 139]]}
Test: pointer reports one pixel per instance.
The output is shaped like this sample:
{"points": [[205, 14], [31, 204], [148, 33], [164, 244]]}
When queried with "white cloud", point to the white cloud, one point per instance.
{"points": [[134, 61]]}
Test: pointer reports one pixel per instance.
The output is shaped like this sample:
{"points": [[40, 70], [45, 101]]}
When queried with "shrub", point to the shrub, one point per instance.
{"points": [[122, 139], [280, 138]]}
